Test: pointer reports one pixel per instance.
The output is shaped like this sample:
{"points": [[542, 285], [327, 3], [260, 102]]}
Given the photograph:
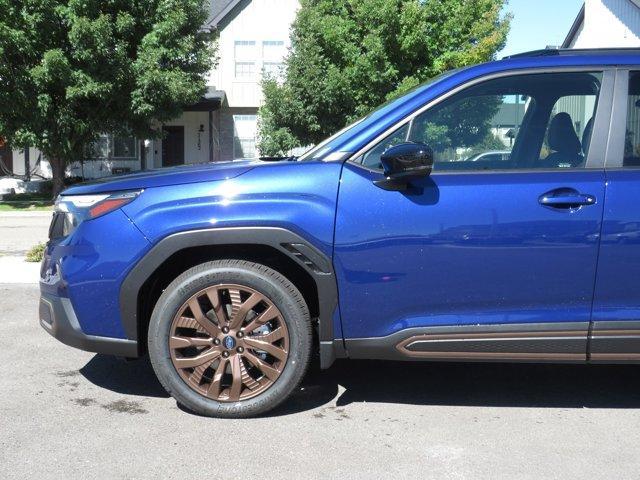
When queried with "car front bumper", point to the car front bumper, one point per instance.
{"points": [[58, 318]]}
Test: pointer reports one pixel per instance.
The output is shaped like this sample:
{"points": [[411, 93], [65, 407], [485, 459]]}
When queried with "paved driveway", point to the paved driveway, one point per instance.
{"points": [[71, 414]]}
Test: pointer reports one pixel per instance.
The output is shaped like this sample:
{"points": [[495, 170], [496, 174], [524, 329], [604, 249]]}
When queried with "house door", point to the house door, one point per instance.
{"points": [[172, 146], [6, 154]]}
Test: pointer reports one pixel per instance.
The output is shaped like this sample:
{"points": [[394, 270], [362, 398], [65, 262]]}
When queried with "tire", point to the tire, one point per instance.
{"points": [[178, 339]]}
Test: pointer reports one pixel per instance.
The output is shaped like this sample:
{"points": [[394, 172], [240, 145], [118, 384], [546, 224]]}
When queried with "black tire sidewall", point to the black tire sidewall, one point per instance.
{"points": [[262, 279]]}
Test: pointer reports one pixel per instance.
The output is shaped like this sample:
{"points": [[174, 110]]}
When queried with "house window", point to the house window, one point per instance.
{"points": [[116, 147], [244, 136], [273, 53], [99, 149], [124, 147], [273, 50], [245, 58], [245, 69]]}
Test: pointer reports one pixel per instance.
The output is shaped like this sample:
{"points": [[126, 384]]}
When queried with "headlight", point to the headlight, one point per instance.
{"points": [[71, 210]]}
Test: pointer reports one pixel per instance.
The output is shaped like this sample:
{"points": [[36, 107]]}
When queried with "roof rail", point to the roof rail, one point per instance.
{"points": [[555, 51]]}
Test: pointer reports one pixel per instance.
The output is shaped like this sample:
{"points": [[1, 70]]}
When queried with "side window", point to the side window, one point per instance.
{"points": [[516, 122], [632, 136], [474, 130]]}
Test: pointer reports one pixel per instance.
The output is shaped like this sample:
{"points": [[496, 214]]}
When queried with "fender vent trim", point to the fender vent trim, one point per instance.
{"points": [[307, 256]]}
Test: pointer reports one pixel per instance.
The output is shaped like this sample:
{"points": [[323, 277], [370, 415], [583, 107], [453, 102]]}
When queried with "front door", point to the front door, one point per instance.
{"points": [[493, 255], [172, 146]]}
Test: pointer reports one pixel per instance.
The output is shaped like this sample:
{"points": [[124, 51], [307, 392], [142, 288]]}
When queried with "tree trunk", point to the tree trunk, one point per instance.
{"points": [[57, 170]]}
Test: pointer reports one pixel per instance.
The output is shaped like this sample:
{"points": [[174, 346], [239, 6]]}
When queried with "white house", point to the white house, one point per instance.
{"points": [[253, 40], [605, 24]]}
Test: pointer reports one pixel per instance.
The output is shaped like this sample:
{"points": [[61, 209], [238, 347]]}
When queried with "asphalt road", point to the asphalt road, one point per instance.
{"points": [[71, 414], [19, 231]]}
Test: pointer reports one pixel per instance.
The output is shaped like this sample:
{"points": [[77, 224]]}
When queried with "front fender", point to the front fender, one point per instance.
{"points": [[318, 265], [273, 204]]}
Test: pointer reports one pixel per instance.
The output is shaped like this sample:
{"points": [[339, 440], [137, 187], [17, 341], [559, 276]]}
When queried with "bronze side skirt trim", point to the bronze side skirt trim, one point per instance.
{"points": [[506, 335], [496, 355], [425, 339], [614, 342], [615, 356], [615, 333]]}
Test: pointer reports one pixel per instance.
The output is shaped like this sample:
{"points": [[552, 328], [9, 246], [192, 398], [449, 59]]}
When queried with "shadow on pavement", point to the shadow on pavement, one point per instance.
{"points": [[453, 384], [477, 384], [121, 376]]}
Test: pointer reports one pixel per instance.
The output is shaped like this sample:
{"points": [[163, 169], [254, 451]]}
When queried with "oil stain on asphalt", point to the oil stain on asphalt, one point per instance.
{"points": [[84, 402], [125, 406], [118, 406]]}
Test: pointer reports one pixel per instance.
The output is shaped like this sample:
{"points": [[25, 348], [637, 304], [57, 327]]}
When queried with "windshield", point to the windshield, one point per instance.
{"points": [[322, 149]]}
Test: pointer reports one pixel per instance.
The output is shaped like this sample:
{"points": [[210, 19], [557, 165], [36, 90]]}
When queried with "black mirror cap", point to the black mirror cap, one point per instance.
{"points": [[407, 160]]}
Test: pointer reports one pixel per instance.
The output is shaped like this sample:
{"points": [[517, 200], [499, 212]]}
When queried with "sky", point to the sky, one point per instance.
{"points": [[538, 23]]}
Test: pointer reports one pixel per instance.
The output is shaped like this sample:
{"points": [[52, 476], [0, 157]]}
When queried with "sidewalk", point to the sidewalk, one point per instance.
{"points": [[20, 231], [14, 269]]}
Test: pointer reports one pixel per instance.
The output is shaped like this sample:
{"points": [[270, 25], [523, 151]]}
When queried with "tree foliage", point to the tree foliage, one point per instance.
{"points": [[349, 56], [72, 69]]}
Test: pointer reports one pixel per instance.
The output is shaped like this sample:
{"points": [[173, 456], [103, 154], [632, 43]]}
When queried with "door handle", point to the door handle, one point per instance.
{"points": [[566, 198]]}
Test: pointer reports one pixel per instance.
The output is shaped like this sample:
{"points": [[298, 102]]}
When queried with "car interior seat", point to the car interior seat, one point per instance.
{"points": [[563, 140]]}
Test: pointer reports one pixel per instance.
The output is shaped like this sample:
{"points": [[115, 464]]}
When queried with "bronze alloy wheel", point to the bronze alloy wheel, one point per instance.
{"points": [[229, 342]]}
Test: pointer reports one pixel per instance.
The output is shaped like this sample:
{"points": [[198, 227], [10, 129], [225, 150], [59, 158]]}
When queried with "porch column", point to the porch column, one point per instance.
{"points": [[210, 135]]}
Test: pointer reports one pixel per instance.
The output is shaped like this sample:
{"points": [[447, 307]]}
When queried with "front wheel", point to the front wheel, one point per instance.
{"points": [[230, 338]]}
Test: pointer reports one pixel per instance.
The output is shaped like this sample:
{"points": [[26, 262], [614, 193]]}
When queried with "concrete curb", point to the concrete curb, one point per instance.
{"points": [[14, 269]]}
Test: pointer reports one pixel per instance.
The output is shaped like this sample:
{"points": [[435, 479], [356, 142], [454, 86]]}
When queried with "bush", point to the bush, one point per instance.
{"points": [[26, 197], [36, 253]]}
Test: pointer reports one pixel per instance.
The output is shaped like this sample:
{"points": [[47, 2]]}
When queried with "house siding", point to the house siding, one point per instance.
{"points": [[608, 24]]}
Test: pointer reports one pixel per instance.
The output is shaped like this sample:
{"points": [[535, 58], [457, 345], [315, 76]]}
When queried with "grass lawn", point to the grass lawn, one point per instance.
{"points": [[27, 206]]}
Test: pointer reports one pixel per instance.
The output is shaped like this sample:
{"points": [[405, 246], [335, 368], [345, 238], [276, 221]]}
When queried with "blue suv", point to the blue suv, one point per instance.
{"points": [[395, 239]]}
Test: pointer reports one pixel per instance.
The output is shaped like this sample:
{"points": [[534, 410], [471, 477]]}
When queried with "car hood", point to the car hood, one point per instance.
{"points": [[166, 176]]}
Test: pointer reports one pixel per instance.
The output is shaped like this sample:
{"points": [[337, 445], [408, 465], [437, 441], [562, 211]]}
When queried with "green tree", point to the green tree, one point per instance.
{"points": [[349, 56], [72, 69]]}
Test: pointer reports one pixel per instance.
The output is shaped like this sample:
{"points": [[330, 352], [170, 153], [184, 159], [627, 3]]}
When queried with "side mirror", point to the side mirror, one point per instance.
{"points": [[403, 163]]}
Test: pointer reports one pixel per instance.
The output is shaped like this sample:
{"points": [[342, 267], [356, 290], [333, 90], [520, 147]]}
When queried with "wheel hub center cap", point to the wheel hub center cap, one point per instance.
{"points": [[229, 343]]}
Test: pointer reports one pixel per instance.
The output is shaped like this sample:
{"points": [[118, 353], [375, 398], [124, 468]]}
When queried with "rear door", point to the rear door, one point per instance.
{"points": [[615, 334], [483, 259]]}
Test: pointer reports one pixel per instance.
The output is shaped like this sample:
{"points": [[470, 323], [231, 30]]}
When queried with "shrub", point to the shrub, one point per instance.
{"points": [[36, 253]]}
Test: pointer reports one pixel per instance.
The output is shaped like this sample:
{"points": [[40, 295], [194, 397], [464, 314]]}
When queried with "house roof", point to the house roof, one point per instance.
{"points": [[575, 27], [577, 23], [220, 9], [210, 101]]}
